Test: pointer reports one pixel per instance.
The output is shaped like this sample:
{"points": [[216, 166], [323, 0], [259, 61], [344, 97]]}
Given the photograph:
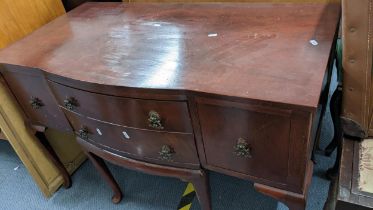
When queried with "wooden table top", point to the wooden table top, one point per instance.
{"points": [[255, 51]]}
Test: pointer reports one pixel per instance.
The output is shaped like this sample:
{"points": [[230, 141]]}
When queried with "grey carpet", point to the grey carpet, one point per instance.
{"points": [[143, 192]]}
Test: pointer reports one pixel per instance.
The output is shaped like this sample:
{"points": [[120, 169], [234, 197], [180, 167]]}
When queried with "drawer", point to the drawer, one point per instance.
{"points": [[245, 139], [137, 113], [176, 149], [33, 94]]}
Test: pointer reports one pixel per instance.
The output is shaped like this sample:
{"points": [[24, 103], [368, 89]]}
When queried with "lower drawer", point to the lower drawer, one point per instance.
{"points": [[166, 148]]}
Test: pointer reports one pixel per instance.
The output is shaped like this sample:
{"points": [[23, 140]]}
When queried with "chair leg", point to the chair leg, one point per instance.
{"points": [[335, 109], [104, 171], [202, 188], [56, 161]]}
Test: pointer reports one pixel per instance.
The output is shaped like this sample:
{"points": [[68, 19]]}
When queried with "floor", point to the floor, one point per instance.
{"points": [[143, 192]]}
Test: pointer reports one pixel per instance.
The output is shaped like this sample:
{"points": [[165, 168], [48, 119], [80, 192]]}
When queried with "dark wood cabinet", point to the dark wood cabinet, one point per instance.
{"points": [[179, 89]]}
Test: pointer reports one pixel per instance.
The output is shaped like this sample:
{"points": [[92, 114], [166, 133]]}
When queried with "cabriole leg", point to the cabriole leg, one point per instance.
{"points": [[101, 167]]}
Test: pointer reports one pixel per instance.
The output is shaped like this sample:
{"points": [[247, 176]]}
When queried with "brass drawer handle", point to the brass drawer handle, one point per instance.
{"points": [[83, 133], [155, 120], [242, 148], [36, 103], [166, 153], [70, 103]]}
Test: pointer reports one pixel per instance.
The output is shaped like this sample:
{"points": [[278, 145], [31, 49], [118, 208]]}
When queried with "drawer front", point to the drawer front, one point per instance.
{"points": [[164, 148], [33, 94], [137, 113], [246, 140]]}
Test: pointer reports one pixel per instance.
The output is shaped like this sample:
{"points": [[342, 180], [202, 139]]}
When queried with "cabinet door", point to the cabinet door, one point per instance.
{"points": [[246, 139], [32, 93]]}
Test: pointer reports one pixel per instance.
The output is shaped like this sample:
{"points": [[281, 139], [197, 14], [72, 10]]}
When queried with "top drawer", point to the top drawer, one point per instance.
{"points": [[171, 116], [33, 95]]}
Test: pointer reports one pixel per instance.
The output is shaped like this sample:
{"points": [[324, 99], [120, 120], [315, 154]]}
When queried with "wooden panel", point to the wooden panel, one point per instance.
{"points": [[66, 148], [174, 115], [138, 144], [20, 17], [357, 35], [263, 130]]}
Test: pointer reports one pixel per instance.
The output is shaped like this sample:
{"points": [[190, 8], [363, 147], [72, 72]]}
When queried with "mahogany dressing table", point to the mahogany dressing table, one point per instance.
{"points": [[177, 89]]}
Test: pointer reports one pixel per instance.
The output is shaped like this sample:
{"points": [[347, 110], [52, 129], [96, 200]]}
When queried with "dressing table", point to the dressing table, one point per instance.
{"points": [[179, 89]]}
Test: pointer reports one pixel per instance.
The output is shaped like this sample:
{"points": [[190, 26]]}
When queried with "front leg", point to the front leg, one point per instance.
{"points": [[201, 185], [101, 167], [335, 111]]}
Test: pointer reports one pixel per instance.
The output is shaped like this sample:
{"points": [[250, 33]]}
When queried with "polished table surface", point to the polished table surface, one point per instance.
{"points": [[260, 52]]}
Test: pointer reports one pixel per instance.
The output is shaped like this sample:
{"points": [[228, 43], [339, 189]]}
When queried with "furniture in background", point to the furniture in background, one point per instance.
{"points": [[155, 102], [357, 102], [17, 19], [356, 170], [353, 188], [352, 99], [355, 185]]}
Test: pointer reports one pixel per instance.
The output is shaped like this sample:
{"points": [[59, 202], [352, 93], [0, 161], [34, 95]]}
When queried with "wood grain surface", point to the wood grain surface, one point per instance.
{"points": [[238, 50]]}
